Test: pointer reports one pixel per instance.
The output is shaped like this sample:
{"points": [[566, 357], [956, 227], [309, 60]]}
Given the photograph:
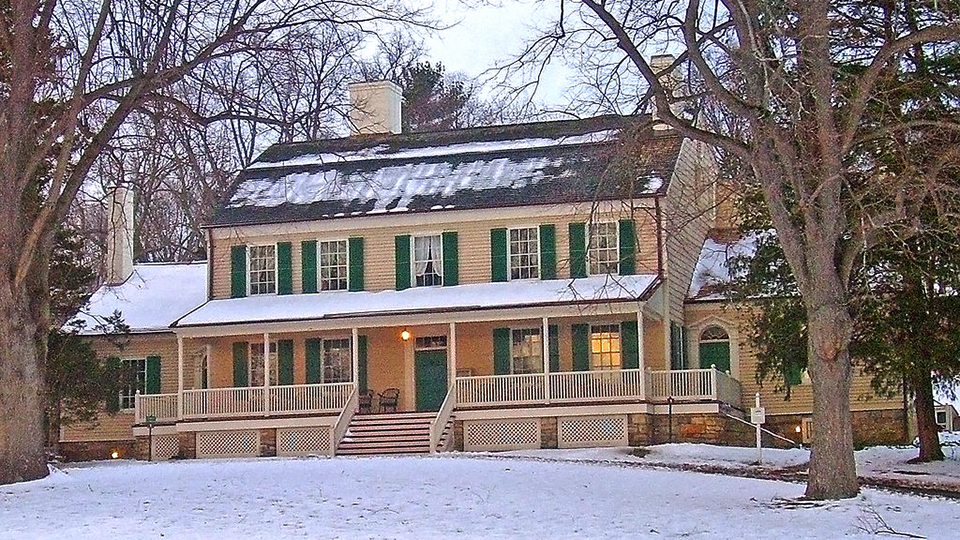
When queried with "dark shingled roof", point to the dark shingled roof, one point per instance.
{"points": [[600, 158]]}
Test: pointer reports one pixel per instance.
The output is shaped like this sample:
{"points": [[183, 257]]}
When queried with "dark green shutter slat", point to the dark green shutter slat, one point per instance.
{"points": [[628, 248], [451, 259], [554, 342], [548, 252], [152, 385], [402, 248], [581, 347], [501, 351], [355, 248], [676, 355], [284, 268], [684, 361], [285, 361], [238, 271], [498, 254], [241, 378], [629, 345], [578, 250], [313, 360], [115, 370], [362, 363], [308, 266]]}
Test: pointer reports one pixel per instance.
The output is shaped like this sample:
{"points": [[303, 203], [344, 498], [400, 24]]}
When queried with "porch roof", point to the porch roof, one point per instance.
{"points": [[459, 298]]}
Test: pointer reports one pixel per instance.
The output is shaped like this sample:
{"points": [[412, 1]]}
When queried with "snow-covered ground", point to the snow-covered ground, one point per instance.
{"points": [[454, 496]]}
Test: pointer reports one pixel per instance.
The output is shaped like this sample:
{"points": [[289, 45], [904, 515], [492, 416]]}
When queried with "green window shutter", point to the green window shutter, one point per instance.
{"points": [[285, 361], [498, 254], [355, 253], [793, 374], [628, 345], [241, 377], [308, 266], [548, 252], [152, 385], [238, 271], [402, 248], [501, 351], [554, 344], [581, 347], [578, 250], [314, 360], [284, 268], [684, 353], [451, 259], [676, 352], [115, 372], [362, 363], [628, 248]]}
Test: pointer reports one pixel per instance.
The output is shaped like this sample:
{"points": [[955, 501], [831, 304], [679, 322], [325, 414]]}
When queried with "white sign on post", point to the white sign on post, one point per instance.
{"points": [[758, 415]]}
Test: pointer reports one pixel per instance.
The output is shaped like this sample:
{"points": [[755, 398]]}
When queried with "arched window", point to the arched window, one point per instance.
{"points": [[715, 348]]}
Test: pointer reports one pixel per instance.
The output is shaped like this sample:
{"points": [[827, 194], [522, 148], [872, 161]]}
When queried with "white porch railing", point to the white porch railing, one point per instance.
{"points": [[163, 407], [339, 428], [693, 385], [443, 417], [254, 401], [596, 385], [501, 389]]}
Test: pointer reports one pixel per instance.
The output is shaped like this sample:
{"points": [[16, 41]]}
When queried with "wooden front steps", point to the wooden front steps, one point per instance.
{"points": [[392, 433]]}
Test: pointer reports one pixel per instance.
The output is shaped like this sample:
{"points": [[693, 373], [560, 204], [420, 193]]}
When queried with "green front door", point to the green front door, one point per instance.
{"points": [[715, 353], [431, 379]]}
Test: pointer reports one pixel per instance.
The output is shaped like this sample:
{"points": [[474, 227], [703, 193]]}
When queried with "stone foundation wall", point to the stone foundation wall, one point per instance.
{"points": [[97, 450], [870, 428], [458, 435], [268, 442], [699, 428], [548, 432], [188, 445], [639, 429]]}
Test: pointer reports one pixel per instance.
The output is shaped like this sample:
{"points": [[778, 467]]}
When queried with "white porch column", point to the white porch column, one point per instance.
{"points": [[452, 364], [641, 363], [545, 332], [179, 378], [355, 357], [266, 373]]}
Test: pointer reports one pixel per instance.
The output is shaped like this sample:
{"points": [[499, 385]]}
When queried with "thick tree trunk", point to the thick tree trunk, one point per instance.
{"points": [[927, 428], [833, 470], [21, 411]]}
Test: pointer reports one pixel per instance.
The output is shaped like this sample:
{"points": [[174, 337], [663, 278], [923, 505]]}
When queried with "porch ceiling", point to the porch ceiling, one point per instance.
{"points": [[420, 300]]}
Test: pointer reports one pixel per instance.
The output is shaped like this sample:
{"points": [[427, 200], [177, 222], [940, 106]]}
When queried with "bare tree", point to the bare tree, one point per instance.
{"points": [[803, 81], [72, 74]]}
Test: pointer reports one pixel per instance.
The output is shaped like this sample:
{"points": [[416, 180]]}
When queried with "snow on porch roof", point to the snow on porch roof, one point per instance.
{"points": [[150, 299], [479, 296]]}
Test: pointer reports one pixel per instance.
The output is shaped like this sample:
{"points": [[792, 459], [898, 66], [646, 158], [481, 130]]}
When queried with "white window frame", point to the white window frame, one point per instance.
{"points": [[257, 349], [596, 356], [937, 416], [592, 249], [128, 393], [413, 260], [346, 247], [326, 366], [537, 350], [250, 270], [510, 254]]}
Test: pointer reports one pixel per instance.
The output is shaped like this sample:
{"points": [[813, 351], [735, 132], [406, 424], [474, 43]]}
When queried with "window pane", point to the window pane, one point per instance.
{"points": [[256, 363], [428, 260], [337, 361], [526, 351], [135, 371], [605, 347], [263, 269], [524, 253], [603, 250], [333, 265]]}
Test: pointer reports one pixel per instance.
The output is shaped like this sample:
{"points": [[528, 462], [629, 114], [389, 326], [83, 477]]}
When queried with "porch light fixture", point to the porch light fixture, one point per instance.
{"points": [[798, 430], [115, 454], [405, 335]]}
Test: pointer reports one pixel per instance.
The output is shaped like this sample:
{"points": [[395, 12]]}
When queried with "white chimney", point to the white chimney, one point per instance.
{"points": [[375, 107], [671, 81], [119, 235]]}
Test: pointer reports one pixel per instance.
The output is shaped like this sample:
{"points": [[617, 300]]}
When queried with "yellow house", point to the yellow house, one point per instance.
{"points": [[492, 288]]}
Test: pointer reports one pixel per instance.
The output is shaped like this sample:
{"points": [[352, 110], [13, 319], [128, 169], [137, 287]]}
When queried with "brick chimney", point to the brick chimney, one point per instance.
{"points": [[672, 82], [119, 235], [375, 107]]}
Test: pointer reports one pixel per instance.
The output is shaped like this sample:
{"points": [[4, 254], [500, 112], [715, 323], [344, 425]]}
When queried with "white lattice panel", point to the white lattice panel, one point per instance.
{"points": [[165, 446], [587, 431], [228, 443], [304, 442], [484, 435]]}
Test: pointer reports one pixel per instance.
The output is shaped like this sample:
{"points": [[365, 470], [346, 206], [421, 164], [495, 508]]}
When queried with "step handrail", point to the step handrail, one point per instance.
{"points": [[343, 420], [767, 431], [443, 417]]}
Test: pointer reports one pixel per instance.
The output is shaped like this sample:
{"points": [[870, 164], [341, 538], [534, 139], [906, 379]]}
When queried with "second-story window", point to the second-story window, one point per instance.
{"points": [[263, 269], [333, 265], [524, 253], [603, 251], [428, 260]]}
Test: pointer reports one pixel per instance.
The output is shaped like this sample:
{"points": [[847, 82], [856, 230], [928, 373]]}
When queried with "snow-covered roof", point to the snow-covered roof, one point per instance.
{"points": [[153, 297], [478, 296], [490, 167], [712, 266]]}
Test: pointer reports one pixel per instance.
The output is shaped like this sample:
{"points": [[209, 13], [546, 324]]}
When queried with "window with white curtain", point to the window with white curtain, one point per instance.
{"points": [[427, 260], [526, 351], [332, 265], [604, 248], [524, 253], [256, 364], [263, 269]]}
